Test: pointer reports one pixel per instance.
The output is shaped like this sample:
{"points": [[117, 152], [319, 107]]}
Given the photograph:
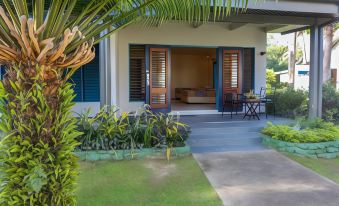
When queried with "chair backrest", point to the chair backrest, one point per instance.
{"points": [[229, 97], [273, 89], [262, 92]]}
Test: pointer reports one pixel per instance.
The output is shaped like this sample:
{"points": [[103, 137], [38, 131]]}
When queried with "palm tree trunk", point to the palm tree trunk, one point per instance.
{"points": [[292, 59], [328, 37], [305, 61], [38, 165]]}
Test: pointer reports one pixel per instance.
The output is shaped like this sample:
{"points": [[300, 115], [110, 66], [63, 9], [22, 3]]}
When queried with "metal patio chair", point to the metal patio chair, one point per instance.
{"points": [[267, 99], [234, 101]]}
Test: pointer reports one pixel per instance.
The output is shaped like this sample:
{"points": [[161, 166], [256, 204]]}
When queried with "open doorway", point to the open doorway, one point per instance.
{"points": [[193, 79]]}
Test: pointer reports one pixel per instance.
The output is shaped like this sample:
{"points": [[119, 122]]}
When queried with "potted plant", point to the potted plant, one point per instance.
{"points": [[251, 95]]}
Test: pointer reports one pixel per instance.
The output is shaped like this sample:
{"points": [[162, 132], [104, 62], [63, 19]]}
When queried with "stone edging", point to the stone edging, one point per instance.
{"points": [[313, 150], [129, 154]]}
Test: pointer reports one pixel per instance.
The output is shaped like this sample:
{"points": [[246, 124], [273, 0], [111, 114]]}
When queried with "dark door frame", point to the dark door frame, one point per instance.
{"points": [[219, 57]]}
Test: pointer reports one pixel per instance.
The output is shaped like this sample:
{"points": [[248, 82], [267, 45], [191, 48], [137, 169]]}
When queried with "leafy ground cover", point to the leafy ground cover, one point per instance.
{"points": [[326, 167], [304, 132], [144, 182]]}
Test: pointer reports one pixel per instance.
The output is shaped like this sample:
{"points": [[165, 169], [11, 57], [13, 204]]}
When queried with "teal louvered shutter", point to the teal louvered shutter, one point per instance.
{"points": [[2, 71], [91, 79]]}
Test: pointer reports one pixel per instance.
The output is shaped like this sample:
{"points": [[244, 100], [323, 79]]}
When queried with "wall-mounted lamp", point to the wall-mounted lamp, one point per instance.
{"points": [[262, 53]]}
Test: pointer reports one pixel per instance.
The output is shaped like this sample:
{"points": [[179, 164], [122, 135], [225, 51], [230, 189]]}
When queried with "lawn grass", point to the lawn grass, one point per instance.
{"points": [[144, 182], [325, 167]]}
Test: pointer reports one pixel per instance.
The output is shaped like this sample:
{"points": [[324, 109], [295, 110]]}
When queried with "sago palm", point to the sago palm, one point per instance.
{"points": [[42, 43]]}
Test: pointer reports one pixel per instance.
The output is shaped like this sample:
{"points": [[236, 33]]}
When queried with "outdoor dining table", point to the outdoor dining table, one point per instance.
{"points": [[251, 106]]}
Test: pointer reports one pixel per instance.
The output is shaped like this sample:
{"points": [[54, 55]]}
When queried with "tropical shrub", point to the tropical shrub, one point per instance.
{"points": [[304, 132], [293, 103], [109, 130], [330, 103], [290, 102]]}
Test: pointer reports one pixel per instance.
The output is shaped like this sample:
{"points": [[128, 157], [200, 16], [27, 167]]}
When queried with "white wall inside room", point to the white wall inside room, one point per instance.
{"points": [[192, 68], [182, 34]]}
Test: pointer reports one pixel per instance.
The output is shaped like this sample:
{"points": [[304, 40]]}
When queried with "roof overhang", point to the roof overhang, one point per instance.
{"points": [[283, 16]]}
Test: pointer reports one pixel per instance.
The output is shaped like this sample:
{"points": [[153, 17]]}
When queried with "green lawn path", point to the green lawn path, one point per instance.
{"points": [[326, 167], [145, 182]]}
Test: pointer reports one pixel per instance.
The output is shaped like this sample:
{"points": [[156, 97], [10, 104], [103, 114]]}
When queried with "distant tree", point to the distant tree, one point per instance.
{"points": [[328, 38], [329, 44], [277, 58]]}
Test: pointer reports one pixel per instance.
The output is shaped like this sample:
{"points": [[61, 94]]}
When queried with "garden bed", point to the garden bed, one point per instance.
{"points": [[158, 153], [315, 139], [313, 150]]}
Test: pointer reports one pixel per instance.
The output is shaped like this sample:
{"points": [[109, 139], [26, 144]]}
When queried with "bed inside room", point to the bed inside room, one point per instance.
{"points": [[193, 79]]}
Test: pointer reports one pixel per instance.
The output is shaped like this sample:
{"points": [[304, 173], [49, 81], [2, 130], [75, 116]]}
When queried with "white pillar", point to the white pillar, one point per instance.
{"points": [[114, 69], [316, 73], [109, 71]]}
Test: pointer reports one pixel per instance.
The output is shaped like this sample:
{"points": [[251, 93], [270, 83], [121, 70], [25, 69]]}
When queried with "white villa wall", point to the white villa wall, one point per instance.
{"points": [[80, 107], [207, 35]]}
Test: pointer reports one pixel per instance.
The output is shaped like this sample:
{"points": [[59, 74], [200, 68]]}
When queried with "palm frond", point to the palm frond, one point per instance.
{"points": [[53, 32]]}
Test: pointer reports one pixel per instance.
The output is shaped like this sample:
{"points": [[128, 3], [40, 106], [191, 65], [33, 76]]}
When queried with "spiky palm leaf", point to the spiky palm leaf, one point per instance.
{"points": [[61, 33]]}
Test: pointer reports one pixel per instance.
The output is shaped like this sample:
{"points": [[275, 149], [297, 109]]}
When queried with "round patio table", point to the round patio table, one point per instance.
{"points": [[251, 105]]}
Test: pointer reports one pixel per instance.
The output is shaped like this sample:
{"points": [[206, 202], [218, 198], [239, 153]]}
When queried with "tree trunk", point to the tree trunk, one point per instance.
{"points": [[38, 166], [292, 59], [305, 61], [328, 37]]}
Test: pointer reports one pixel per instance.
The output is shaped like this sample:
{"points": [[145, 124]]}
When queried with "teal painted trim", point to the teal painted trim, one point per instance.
{"points": [[216, 83], [132, 154], [219, 66], [326, 150], [253, 68]]}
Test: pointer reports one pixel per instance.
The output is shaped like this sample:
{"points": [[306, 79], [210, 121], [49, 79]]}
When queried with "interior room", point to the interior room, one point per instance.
{"points": [[192, 79]]}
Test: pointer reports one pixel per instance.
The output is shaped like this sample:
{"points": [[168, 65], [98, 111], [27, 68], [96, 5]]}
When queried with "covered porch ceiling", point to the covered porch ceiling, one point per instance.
{"points": [[283, 16]]}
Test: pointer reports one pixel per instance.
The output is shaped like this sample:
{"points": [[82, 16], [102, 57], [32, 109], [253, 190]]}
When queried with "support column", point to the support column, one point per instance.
{"points": [[316, 73], [108, 71], [114, 69]]}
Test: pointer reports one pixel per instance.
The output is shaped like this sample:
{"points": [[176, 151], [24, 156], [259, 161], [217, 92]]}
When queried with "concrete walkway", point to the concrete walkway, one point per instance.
{"points": [[245, 173], [265, 178]]}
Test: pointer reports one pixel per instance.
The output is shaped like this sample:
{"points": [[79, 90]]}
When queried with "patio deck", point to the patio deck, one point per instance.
{"points": [[214, 133]]}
